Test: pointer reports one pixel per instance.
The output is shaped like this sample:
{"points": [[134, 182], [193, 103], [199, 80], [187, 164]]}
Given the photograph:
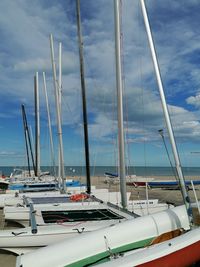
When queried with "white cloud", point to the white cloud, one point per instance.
{"points": [[25, 27], [194, 100]]}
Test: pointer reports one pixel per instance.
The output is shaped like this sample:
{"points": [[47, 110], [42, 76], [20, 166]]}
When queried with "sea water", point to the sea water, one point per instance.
{"points": [[100, 170]]}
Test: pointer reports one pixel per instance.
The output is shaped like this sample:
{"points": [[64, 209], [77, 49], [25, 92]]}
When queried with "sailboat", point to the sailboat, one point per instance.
{"points": [[181, 251], [113, 242], [134, 180], [51, 222], [35, 179], [102, 244]]}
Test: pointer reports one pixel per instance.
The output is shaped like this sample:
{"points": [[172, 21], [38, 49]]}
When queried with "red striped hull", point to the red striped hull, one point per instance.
{"points": [[184, 257]]}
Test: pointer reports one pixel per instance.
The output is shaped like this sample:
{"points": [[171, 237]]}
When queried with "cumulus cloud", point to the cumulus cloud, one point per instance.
{"points": [[194, 101]]}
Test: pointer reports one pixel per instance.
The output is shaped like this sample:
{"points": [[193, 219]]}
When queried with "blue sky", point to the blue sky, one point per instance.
{"points": [[24, 49]]}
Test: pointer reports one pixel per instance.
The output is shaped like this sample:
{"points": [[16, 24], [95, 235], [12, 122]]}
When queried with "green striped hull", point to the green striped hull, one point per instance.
{"points": [[104, 256]]}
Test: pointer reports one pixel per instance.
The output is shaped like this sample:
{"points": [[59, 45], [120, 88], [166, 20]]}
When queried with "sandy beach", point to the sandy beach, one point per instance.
{"points": [[171, 196]]}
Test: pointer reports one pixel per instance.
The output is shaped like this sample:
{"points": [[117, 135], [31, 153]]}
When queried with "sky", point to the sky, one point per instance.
{"points": [[25, 27]]}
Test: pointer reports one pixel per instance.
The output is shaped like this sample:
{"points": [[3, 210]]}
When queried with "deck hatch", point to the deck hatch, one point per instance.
{"points": [[79, 215]]}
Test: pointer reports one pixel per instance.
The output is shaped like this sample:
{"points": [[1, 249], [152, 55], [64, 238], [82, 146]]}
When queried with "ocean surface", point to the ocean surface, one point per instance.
{"points": [[100, 170]]}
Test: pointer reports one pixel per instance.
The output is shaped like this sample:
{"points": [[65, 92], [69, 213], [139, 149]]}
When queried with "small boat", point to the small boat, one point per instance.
{"points": [[107, 241], [170, 184], [181, 251], [133, 179], [16, 197], [51, 223], [136, 181], [20, 212], [20, 180], [42, 185], [3, 184]]}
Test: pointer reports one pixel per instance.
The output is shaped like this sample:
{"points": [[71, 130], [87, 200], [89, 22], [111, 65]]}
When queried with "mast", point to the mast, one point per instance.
{"points": [[85, 123], [27, 135], [120, 104], [26, 141], [60, 74], [62, 174], [49, 123], [59, 93], [184, 192], [37, 125]]}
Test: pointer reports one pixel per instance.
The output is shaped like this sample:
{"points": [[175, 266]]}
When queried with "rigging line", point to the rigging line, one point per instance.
{"points": [[70, 111], [141, 79], [113, 135], [79, 129], [66, 103], [143, 123], [123, 88], [98, 89], [114, 139], [172, 167], [101, 128], [126, 132], [78, 124]]}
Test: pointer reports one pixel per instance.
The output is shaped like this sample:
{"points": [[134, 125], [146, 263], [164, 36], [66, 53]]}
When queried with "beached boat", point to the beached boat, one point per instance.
{"points": [[171, 184], [112, 178], [103, 243], [20, 212], [55, 223], [181, 251], [42, 184], [3, 184]]}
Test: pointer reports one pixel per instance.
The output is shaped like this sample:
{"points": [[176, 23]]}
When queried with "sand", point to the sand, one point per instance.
{"points": [[171, 196]]}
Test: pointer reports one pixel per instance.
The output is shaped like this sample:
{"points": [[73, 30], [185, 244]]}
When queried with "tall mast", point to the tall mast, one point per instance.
{"points": [[60, 74], [85, 123], [62, 176], [120, 104], [59, 93], [37, 125], [49, 123], [184, 192]]}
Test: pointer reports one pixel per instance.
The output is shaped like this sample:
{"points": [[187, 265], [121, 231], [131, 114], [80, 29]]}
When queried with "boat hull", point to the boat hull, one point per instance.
{"points": [[134, 235], [182, 258], [171, 184], [181, 251]]}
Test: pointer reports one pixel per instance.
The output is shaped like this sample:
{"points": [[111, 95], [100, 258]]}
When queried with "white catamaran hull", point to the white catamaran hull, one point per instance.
{"points": [[21, 215], [13, 198], [181, 251], [118, 238]]}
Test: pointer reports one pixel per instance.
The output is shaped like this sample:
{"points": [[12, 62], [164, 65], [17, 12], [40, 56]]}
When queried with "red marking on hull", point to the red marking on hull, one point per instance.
{"points": [[184, 257], [136, 183]]}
